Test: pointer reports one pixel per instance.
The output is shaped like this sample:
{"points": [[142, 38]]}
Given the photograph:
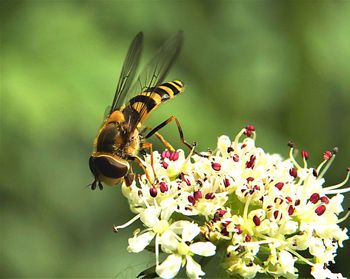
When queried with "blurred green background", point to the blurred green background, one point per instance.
{"points": [[281, 66]]}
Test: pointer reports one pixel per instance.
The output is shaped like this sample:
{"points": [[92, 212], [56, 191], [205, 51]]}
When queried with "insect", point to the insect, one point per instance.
{"points": [[122, 134]]}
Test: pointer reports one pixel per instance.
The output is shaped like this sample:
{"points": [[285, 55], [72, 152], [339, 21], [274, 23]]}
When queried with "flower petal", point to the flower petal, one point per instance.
{"points": [[205, 249], [138, 243], [150, 216], [193, 269], [190, 231], [169, 267]]}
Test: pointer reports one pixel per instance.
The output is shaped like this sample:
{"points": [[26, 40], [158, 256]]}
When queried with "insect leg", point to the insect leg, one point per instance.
{"points": [[166, 122], [139, 161], [148, 145], [163, 140]]}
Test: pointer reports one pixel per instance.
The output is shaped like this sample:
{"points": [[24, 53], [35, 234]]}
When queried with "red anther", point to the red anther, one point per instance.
{"points": [[249, 129], [153, 192], [291, 210], [191, 199], [335, 150], [238, 229], [278, 199], [183, 178], [174, 156], [279, 185], [165, 154], [324, 199], [163, 187], [224, 232], [256, 220], [269, 207], [235, 158], [291, 144], [226, 182], [243, 145], [250, 164], [165, 165], [221, 212], [229, 149], [297, 202], [320, 210], [289, 199], [314, 198], [210, 196], [327, 155], [216, 166], [304, 154], [249, 179], [275, 214], [248, 238], [348, 169], [197, 195], [256, 188], [293, 172]]}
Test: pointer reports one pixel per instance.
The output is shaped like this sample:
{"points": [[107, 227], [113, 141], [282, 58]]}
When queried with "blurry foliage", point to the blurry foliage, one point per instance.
{"points": [[282, 66]]}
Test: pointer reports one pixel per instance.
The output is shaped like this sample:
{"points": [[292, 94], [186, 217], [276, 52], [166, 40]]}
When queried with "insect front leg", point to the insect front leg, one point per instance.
{"points": [[139, 162]]}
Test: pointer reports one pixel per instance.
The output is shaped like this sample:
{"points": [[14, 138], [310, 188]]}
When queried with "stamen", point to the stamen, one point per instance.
{"points": [[238, 137], [246, 207], [292, 158], [340, 184], [344, 218], [329, 163], [116, 228]]}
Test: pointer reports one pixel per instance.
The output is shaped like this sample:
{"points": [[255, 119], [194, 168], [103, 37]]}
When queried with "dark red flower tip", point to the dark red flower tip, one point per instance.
{"points": [[293, 172], [216, 166], [256, 220], [191, 199], [230, 149], [226, 182], [314, 198], [248, 238], [238, 229], [197, 195], [251, 163], [163, 187], [221, 212], [224, 232], [174, 156], [348, 169], [279, 185], [304, 154], [153, 192], [210, 196], [165, 154], [186, 180], [327, 155], [165, 165], [297, 202], [325, 199], [275, 214], [335, 150], [291, 144], [289, 199], [320, 210], [235, 158], [249, 129], [250, 179], [291, 210]]}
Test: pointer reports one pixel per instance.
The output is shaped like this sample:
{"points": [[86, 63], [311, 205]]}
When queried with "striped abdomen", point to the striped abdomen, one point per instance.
{"points": [[144, 103]]}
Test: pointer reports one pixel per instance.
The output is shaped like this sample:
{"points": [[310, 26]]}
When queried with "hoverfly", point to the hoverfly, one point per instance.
{"points": [[121, 136]]}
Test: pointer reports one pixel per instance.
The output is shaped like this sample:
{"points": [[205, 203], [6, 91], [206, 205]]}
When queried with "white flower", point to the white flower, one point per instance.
{"points": [[182, 252]]}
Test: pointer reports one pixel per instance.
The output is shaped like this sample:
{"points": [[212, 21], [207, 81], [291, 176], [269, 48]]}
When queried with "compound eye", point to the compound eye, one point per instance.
{"points": [[110, 167]]}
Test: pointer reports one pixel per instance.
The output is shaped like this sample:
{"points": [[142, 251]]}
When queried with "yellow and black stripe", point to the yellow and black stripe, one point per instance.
{"points": [[140, 106]]}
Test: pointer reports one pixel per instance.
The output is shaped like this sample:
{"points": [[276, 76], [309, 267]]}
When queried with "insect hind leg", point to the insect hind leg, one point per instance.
{"points": [[155, 130]]}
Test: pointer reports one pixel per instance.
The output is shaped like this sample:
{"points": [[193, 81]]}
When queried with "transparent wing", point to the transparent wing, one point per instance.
{"points": [[155, 71], [128, 72]]}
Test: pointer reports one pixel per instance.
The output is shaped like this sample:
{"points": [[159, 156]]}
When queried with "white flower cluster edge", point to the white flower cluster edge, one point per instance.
{"points": [[269, 214]]}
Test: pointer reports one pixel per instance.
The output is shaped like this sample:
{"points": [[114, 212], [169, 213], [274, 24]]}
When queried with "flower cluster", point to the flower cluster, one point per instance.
{"points": [[268, 214]]}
